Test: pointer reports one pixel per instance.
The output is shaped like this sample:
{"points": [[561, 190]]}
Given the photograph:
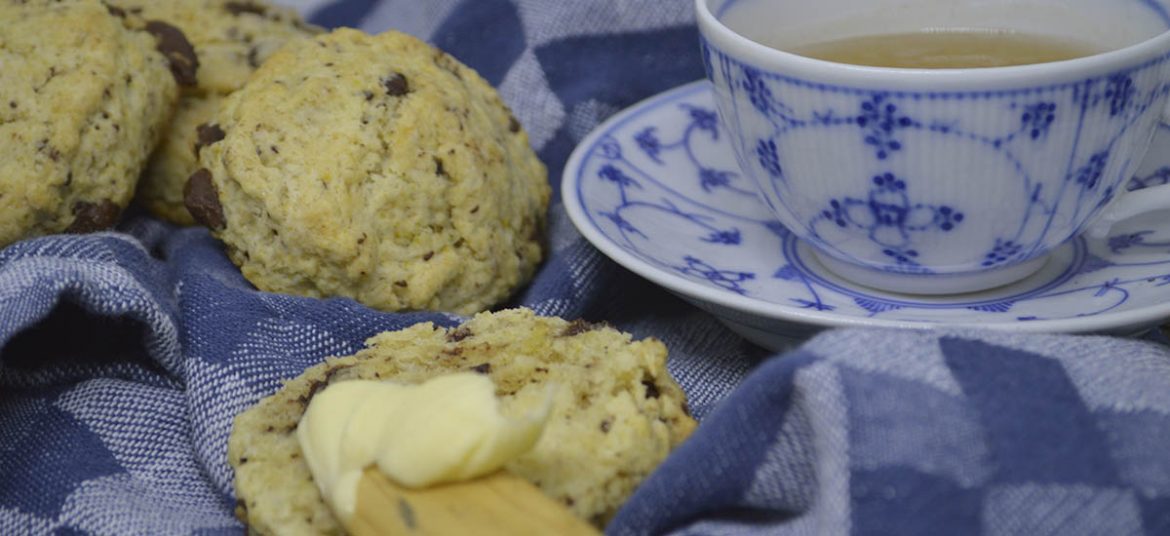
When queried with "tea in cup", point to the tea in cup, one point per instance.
{"points": [[948, 49], [940, 147]]}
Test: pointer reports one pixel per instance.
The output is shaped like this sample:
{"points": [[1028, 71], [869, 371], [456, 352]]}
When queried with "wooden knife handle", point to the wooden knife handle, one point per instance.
{"points": [[500, 503]]}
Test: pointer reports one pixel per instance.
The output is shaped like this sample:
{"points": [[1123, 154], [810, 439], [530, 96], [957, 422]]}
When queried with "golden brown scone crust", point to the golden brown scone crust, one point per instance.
{"points": [[231, 39], [616, 412], [85, 100], [376, 168]]}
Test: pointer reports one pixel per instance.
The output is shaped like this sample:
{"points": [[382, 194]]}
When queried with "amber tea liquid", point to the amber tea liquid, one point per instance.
{"points": [[947, 49]]}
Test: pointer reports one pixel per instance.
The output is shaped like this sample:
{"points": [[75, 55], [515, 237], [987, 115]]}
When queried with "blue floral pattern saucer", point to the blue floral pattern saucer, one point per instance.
{"points": [[657, 189]]}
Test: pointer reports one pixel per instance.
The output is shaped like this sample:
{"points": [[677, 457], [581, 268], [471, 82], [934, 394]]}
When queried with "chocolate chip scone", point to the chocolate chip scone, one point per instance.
{"points": [[84, 99], [616, 412], [231, 39], [160, 189], [377, 168]]}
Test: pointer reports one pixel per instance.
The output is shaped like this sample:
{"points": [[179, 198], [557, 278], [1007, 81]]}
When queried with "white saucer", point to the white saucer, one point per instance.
{"points": [[657, 189]]}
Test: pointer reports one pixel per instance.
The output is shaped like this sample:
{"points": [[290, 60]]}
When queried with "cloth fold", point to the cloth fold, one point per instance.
{"points": [[943, 432], [125, 355]]}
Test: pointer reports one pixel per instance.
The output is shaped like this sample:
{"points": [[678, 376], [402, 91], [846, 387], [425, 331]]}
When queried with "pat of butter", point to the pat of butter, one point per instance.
{"points": [[448, 429]]}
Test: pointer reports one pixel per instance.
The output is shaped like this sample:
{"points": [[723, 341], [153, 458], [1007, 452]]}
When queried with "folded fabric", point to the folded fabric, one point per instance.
{"points": [[946, 432], [125, 355]]}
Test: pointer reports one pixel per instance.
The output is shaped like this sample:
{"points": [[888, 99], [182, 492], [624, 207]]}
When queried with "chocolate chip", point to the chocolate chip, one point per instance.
{"points": [[90, 217], [428, 255], [178, 50], [306, 27], [439, 168], [406, 513], [606, 424], [238, 8], [316, 385], [401, 283], [254, 57], [369, 95], [485, 368], [208, 133], [459, 334], [202, 200], [116, 11], [396, 85], [513, 124], [45, 147], [651, 388], [447, 63], [580, 326], [243, 461]]}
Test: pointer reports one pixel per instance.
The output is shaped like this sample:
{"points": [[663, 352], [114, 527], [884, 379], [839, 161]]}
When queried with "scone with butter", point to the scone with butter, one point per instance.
{"points": [[376, 168], [230, 38], [614, 412], [444, 430], [83, 101]]}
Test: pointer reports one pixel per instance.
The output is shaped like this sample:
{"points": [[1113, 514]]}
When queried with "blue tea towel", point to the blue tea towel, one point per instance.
{"points": [[125, 355], [953, 432]]}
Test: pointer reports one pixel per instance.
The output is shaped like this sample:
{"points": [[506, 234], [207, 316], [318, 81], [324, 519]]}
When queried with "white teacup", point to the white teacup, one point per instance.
{"points": [[940, 180]]}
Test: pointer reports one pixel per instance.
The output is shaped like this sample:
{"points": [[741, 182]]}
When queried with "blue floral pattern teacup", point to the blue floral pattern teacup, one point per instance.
{"points": [[946, 180]]}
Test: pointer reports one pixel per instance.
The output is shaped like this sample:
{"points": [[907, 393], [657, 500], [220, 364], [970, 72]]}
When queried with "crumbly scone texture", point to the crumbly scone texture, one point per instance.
{"points": [[84, 100], [377, 168], [616, 412], [160, 189], [231, 39]]}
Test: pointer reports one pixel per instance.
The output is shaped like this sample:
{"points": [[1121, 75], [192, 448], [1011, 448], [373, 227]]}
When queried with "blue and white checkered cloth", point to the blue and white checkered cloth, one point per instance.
{"points": [[124, 356]]}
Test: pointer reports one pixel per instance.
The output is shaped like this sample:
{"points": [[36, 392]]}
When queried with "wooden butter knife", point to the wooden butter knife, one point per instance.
{"points": [[500, 503]]}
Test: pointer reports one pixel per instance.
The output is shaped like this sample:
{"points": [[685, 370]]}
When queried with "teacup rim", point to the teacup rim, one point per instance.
{"points": [[921, 79]]}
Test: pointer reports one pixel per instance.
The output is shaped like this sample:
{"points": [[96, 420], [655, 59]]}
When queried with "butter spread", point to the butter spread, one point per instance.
{"points": [[447, 429]]}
